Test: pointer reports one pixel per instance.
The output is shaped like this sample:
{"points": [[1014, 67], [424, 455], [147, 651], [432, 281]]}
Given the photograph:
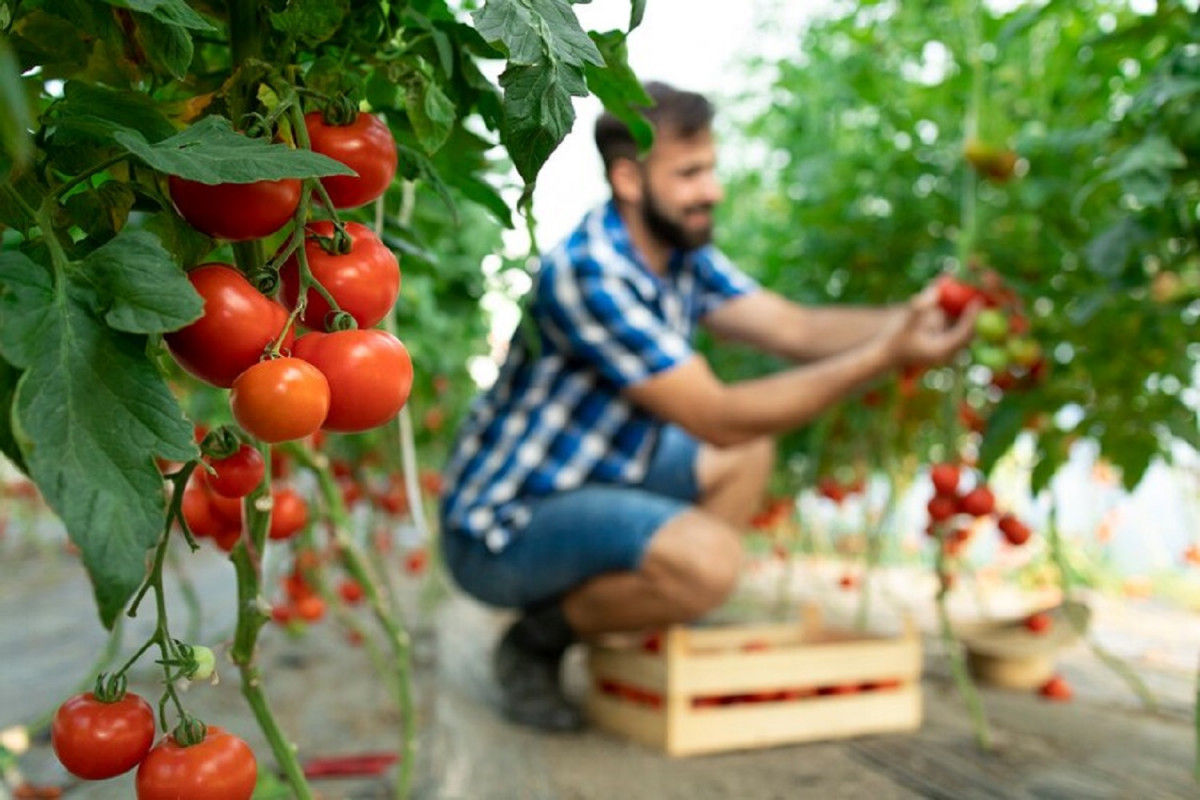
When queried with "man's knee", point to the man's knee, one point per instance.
{"points": [[696, 561]]}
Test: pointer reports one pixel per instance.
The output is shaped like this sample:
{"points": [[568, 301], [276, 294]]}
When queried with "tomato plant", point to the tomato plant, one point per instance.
{"points": [[238, 325], [365, 145], [96, 739], [364, 280], [220, 767], [370, 376], [236, 211], [280, 399]]}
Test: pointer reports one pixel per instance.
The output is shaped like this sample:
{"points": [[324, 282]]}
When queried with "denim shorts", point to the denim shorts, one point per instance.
{"points": [[578, 534]]}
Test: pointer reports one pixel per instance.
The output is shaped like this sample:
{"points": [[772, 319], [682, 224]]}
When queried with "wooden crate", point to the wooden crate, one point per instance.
{"points": [[702, 690]]}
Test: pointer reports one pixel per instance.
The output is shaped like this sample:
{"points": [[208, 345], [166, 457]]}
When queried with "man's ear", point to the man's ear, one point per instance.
{"points": [[625, 175]]}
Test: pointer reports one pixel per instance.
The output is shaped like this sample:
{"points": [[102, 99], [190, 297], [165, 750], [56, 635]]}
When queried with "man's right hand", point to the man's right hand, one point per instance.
{"points": [[921, 333]]}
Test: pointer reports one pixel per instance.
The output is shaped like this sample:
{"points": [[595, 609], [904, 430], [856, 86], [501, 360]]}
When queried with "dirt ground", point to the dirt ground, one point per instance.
{"points": [[330, 700]]}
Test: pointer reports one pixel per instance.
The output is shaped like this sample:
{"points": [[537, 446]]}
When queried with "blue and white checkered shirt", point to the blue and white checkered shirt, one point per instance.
{"points": [[555, 418]]}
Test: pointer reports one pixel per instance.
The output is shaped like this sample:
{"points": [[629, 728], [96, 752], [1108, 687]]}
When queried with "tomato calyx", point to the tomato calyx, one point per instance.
{"points": [[110, 688], [220, 443], [340, 111], [266, 280], [190, 731], [338, 243], [339, 320]]}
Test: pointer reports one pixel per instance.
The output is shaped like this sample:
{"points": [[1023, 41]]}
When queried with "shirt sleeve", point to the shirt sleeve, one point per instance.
{"points": [[719, 280], [599, 317]]}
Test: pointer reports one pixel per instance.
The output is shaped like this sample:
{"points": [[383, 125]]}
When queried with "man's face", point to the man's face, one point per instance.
{"points": [[680, 190]]}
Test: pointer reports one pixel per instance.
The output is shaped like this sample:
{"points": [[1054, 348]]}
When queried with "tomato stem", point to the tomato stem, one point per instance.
{"points": [[954, 650], [95, 169]]}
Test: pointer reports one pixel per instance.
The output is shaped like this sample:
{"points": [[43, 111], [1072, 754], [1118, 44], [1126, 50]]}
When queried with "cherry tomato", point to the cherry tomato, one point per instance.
{"points": [[941, 507], [238, 474], [289, 513], [198, 513], [954, 295], [944, 478], [978, 502], [366, 146], [222, 767], [96, 740], [238, 325], [351, 591], [237, 212], [369, 371], [1015, 531], [280, 399], [364, 282]]}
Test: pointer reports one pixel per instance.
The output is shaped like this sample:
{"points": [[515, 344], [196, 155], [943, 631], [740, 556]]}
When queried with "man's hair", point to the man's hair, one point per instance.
{"points": [[675, 113]]}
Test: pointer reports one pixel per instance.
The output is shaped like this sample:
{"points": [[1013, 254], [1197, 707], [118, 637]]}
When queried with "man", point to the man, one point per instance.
{"points": [[603, 482]]}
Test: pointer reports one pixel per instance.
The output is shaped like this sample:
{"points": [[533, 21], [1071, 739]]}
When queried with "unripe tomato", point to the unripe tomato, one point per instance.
{"points": [[369, 371], [366, 146], [237, 212], [96, 740], [239, 323], [222, 767], [280, 399], [237, 475], [992, 325], [363, 282]]}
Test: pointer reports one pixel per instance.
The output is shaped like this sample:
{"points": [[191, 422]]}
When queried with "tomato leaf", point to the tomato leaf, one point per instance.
{"points": [[8, 440], [143, 288], [618, 87], [532, 30], [212, 152], [1003, 426], [92, 411], [430, 111], [311, 21], [17, 121], [94, 113], [637, 10], [171, 12], [168, 47], [537, 114]]}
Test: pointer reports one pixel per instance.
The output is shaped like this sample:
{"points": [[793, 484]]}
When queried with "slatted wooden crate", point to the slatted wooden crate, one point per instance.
{"points": [[700, 690]]}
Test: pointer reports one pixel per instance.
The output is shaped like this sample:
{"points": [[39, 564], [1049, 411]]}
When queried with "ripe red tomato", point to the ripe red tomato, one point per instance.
{"points": [[239, 323], [289, 513], [198, 512], [954, 295], [366, 146], [941, 507], [1056, 688], [280, 399], [96, 740], [1015, 531], [363, 282], [1039, 622], [222, 767], [236, 211], [351, 591], [978, 502], [238, 474], [945, 479], [369, 371]]}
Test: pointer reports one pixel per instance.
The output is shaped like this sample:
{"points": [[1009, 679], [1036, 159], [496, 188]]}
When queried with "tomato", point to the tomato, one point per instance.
{"points": [[954, 296], [310, 608], [237, 212], [364, 282], [96, 740], [941, 507], [1015, 531], [366, 146], [237, 475], [991, 356], [944, 478], [1024, 352], [415, 561], [222, 767], [280, 399], [198, 512], [992, 325], [239, 323], [978, 502], [289, 513], [369, 371], [1039, 622], [1056, 688], [351, 591], [997, 164]]}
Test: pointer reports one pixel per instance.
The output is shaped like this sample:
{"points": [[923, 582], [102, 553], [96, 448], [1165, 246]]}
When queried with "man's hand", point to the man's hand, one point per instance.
{"points": [[920, 332]]}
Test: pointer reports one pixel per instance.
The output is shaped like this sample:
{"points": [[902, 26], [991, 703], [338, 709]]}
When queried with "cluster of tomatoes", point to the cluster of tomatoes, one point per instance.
{"points": [[949, 506], [284, 386], [107, 732]]}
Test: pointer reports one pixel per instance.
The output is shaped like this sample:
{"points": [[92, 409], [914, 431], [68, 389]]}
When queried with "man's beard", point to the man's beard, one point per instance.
{"points": [[670, 232]]}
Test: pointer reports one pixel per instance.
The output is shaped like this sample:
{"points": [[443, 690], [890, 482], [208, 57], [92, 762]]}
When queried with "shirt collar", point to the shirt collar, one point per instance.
{"points": [[618, 234]]}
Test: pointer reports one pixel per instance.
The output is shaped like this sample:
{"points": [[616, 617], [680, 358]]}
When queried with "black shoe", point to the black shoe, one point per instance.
{"points": [[530, 690]]}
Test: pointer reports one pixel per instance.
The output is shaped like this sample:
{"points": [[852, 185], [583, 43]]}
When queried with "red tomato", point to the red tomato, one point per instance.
{"points": [[289, 513], [239, 323], [1039, 622], [941, 507], [1056, 688], [370, 376], [280, 399], [238, 474], [310, 608], [1015, 531], [95, 740], [198, 512], [944, 478], [363, 282], [978, 502], [236, 211], [351, 591], [366, 146], [222, 767], [415, 561], [954, 295]]}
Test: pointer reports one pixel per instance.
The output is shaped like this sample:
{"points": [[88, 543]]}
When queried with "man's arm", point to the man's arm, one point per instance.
{"points": [[774, 324], [691, 396]]}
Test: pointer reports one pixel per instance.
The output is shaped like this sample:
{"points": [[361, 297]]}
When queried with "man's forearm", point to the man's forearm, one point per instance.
{"points": [[817, 332]]}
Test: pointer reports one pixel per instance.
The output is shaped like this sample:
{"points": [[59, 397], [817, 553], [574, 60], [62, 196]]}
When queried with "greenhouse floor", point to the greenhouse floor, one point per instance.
{"points": [[331, 701]]}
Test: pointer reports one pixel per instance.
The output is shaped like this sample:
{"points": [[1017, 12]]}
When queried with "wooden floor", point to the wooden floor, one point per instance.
{"points": [[329, 699]]}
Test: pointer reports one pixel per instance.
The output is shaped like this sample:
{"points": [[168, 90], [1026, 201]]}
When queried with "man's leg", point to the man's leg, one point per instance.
{"points": [[733, 480]]}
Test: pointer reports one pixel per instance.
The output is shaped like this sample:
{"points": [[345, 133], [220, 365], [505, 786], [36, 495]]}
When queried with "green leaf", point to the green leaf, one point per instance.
{"points": [[311, 21], [618, 87], [169, 47], [430, 111], [413, 165], [16, 122], [1111, 249], [142, 287], [538, 114], [92, 112], [1003, 426], [9, 375], [95, 412], [637, 10], [1144, 169], [534, 31], [170, 12], [212, 152]]}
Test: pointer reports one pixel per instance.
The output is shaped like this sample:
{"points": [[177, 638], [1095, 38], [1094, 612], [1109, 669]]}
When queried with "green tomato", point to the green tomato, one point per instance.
{"points": [[1024, 352], [206, 663], [992, 325], [990, 356]]}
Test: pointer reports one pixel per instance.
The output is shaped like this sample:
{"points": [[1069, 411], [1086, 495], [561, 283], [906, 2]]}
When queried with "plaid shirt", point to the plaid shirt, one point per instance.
{"points": [[555, 418]]}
